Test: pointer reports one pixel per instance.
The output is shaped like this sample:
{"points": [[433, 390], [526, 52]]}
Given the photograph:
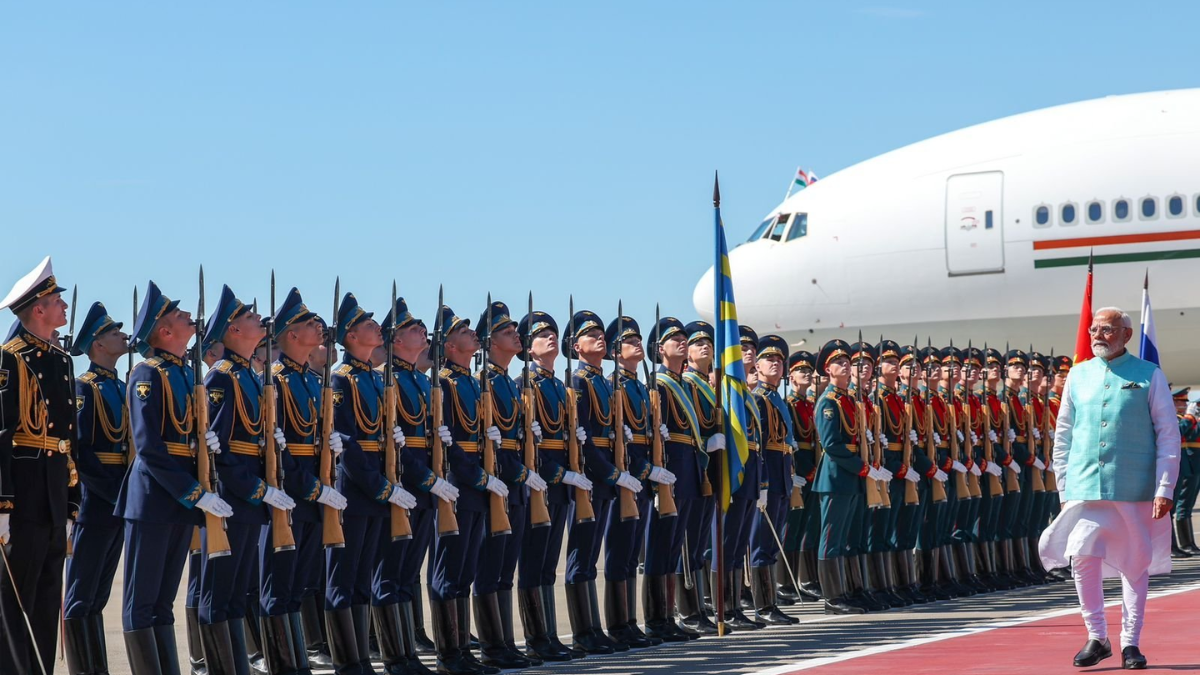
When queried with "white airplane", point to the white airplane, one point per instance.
{"points": [[983, 234]]}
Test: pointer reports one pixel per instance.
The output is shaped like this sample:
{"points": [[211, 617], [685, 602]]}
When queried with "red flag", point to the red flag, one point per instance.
{"points": [[1083, 340]]}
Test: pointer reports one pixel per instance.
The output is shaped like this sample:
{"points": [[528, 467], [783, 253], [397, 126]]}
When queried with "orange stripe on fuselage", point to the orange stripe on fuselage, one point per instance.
{"points": [[1116, 239]]}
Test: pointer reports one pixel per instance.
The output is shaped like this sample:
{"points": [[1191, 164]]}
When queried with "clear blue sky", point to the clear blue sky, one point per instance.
{"points": [[502, 146]]}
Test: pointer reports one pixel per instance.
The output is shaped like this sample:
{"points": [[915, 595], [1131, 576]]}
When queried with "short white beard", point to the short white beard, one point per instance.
{"points": [[1103, 352]]}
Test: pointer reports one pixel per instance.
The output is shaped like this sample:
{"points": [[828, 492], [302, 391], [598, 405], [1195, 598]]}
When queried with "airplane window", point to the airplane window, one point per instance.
{"points": [[780, 223], [1041, 216], [1198, 205], [1149, 208], [1175, 206], [1121, 210], [1068, 214], [799, 226], [758, 231], [1095, 212]]}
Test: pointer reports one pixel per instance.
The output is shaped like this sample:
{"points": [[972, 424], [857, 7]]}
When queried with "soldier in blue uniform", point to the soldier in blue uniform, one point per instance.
{"points": [[585, 337], [456, 558], [803, 524], [38, 495], [624, 538], [101, 456], [160, 498], [358, 419], [748, 340], [779, 441], [499, 556], [692, 601], [400, 569], [839, 476], [290, 579], [542, 546], [682, 449]]}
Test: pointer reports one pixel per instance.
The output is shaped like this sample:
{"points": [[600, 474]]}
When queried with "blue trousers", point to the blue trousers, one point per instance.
{"points": [[583, 541], [664, 538], [708, 534], [645, 506], [541, 549], [764, 550], [424, 522], [456, 558], [225, 581], [97, 548], [739, 520], [349, 570], [389, 557], [1022, 526], [309, 578], [699, 535], [276, 576], [154, 558], [500, 553], [619, 543]]}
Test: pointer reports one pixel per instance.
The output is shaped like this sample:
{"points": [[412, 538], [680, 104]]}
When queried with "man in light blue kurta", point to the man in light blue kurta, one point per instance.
{"points": [[1116, 455]]}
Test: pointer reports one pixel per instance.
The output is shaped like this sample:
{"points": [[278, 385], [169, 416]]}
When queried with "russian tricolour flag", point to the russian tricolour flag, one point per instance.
{"points": [[1149, 342]]}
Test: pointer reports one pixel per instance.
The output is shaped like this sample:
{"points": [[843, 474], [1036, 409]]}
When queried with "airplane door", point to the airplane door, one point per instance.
{"points": [[974, 226]]}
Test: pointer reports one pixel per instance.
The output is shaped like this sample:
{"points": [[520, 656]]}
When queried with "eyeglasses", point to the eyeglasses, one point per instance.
{"points": [[1106, 331]]}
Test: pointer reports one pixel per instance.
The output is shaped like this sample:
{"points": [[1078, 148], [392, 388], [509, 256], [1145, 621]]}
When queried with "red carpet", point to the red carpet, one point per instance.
{"points": [[1170, 641]]}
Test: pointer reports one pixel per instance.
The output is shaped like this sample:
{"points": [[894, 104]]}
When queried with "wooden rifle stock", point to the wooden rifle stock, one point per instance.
{"points": [[885, 499], [401, 525], [910, 488], [666, 493], [1048, 479], [499, 505], [584, 513], [874, 500], [447, 522], [332, 535], [539, 512], [1011, 483], [995, 488], [282, 538], [217, 538], [1039, 485], [952, 430], [939, 490], [969, 450], [629, 509]]}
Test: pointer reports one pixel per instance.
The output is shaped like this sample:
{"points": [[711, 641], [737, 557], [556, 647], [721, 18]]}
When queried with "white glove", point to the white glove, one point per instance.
{"points": [[4, 527], [535, 482], [280, 440], [884, 474], [870, 437], [537, 430], [213, 443], [497, 487], [331, 498], [994, 469], [443, 490], [883, 440], [1012, 435], [1193, 408], [912, 476], [958, 466], [912, 436], [1050, 467], [664, 432], [398, 436], [975, 470], [443, 433], [577, 479], [211, 503], [1015, 468], [961, 438], [940, 476], [629, 482], [580, 434], [937, 438], [335, 443], [762, 500], [278, 499], [799, 481], [628, 434], [1038, 464], [661, 475], [70, 527], [1037, 434], [493, 434], [974, 438], [716, 443], [992, 436], [402, 498]]}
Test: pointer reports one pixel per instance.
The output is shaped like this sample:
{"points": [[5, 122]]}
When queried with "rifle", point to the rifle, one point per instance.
{"points": [[332, 535], [910, 489], [629, 509], [796, 497], [281, 520], [1051, 483], [206, 460], [874, 499], [401, 527], [129, 373], [939, 490], [1039, 485], [68, 341], [995, 488], [968, 424], [885, 499], [498, 505], [952, 430], [539, 511], [447, 521], [666, 493], [584, 513]]}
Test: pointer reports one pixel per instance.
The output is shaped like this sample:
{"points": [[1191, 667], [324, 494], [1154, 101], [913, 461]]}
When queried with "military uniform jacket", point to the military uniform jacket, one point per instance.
{"points": [[510, 419], [683, 445], [804, 460], [161, 485], [412, 415], [235, 416], [1016, 420], [298, 390], [593, 394], [704, 402], [358, 417], [895, 419], [754, 476], [996, 412], [974, 410], [460, 406], [940, 411], [550, 406], [638, 419], [842, 468], [102, 442], [956, 397], [37, 421], [778, 438]]}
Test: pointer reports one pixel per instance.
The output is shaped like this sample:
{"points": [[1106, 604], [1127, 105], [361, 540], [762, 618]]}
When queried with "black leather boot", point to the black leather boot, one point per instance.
{"points": [[504, 600], [579, 612], [465, 640], [141, 650], [408, 640], [856, 579], [631, 605], [597, 625], [1190, 545], [672, 601], [77, 643], [99, 646], [391, 644], [616, 616], [735, 618], [219, 656], [806, 575], [168, 653], [832, 574], [550, 609], [1006, 563], [446, 631], [315, 643], [1178, 536], [659, 612], [343, 643], [786, 593], [762, 586], [886, 562], [361, 615], [299, 648], [424, 644], [690, 603], [906, 576], [277, 644], [964, 562], [195, 647], [533, 620]]}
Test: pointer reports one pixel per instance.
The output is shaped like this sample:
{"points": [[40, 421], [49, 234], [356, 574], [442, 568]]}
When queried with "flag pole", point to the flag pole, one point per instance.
{"points": [[791, 186], [719, 516]]}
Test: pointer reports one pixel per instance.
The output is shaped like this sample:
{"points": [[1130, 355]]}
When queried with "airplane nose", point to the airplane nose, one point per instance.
{"points": [[702, 296]]}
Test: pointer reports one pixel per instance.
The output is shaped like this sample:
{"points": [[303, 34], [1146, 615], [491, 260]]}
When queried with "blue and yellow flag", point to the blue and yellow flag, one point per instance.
{"points": [[734, 393]]}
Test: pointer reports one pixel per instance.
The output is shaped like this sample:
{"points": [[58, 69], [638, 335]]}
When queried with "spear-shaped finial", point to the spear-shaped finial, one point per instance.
{"points": [[716, 189]]}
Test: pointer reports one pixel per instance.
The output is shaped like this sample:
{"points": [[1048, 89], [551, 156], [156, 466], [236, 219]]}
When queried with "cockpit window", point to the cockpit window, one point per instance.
{"points": [[799, 226], [758, 231], [777, 229]]}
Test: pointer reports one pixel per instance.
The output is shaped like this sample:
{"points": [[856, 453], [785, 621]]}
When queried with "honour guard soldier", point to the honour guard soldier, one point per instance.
{"points": [[1018, 506], [358, 419], [998, 540], [542, 546], [624, 529], [1188, 484], [946, 410], [692, 601], [237, 426], [101, 455], [38, 495], [291, 579], [970, 423], [456, 555], [1039, 516], [866, 529], [803, 524], [1061, 366], [160, 498], [400, 568], [899, 523], [500, 553], [779, 440], [682, 447], [912, 517]]}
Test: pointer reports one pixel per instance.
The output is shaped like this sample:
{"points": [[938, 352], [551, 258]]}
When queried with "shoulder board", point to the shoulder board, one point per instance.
{"points": [[831, 395], [276, 368], [87, 377], [15, 345], [445, 374], [154, 361], [223, 366], [343, 369]]}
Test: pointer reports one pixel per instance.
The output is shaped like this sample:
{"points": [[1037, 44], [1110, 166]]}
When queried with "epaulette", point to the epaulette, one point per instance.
{"points": [[831, 394], [276, 368], [343, 369], [15, 345], [154, 361], [223, 366], [445, 374], [87, 377]]}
